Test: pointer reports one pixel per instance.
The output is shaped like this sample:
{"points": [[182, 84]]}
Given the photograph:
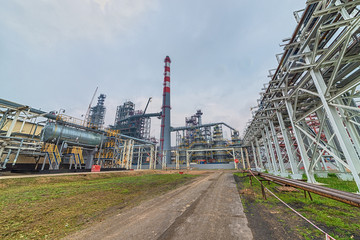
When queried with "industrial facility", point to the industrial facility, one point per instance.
{"points": [[293, 172], [306, 120], [35, 140], [205, 143]]}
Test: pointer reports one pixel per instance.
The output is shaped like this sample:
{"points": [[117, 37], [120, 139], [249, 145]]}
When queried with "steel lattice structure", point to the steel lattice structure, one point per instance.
{"points": [[308, 111]]}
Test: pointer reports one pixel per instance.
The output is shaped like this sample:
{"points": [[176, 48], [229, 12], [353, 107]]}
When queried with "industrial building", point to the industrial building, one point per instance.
{"points": [[134, 123], [206, 142], [97, 113], [32, 139]]}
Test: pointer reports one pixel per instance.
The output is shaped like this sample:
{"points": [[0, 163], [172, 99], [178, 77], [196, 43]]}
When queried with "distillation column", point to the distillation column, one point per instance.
{"points": [[165, 140]]}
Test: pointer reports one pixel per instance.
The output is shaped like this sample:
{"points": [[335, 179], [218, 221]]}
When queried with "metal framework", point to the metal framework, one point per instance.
{"points": [[307, 118], [20, 126], [134, 123], [97, 113], [197, 136], [64, 141]]}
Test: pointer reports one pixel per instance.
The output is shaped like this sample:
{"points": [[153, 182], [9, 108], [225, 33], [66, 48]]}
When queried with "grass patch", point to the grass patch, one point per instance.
{"points": [[52, 207], [336, 218], [334, 182]]}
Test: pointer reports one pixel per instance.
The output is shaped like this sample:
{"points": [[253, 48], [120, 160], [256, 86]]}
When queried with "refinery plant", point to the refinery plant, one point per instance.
{"points": [[35, 140], [205, 143], [298, 155]]}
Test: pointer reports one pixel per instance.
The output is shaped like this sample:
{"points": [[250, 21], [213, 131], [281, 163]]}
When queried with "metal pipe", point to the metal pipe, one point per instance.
{"points": [[64, 133], [146, 115], [173, 129], [342, 196]]}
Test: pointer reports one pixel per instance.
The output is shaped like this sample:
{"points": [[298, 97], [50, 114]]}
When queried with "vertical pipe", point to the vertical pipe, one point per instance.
{"points": [[155, 157], [187, 160], [138, 160], [141, 158], [233, 153], [131, 153], [177, 160], [151, 162]]}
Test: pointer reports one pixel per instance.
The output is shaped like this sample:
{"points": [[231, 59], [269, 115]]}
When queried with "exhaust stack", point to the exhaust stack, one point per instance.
{"points": [[165, 140]]}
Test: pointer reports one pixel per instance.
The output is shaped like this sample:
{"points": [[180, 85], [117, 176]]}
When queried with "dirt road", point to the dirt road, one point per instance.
{"points": [[209, 208]]}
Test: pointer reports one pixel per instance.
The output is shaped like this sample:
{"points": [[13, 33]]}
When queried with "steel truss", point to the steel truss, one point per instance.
{"points": [[309, 111], [19, 130]]}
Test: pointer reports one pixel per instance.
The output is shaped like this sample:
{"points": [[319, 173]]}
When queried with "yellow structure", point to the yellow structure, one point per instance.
{"points": [[52, 155], [23, 127]]}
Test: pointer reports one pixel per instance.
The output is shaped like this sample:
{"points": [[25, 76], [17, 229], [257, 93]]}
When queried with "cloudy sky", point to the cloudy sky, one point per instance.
{"points": [[54, 53]]}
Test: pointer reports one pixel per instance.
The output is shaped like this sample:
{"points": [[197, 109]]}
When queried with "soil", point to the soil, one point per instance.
{"points": [[265, 223], [207, 209]]}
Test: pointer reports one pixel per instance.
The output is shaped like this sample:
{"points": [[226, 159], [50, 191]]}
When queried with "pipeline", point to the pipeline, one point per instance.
{"points": [[345, 197]]}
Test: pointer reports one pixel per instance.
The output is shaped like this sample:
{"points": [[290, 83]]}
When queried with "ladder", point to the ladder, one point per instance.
{"points": [[52, 155], [76, 156]]}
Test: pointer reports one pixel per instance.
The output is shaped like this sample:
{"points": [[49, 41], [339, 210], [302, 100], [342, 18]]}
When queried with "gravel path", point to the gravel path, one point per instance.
{"points": [[209, 208]]}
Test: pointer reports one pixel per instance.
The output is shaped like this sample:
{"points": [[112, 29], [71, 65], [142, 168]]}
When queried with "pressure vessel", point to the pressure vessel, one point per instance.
{"points": [[52, 131]]}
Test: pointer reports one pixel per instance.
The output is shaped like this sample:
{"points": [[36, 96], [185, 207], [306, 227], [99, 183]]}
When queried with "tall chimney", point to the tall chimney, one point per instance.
{"points": [[165, 140]]}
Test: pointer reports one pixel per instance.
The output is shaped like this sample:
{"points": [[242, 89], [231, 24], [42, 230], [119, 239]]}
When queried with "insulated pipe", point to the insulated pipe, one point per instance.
{"points": [[173, 129], [342, 196]]}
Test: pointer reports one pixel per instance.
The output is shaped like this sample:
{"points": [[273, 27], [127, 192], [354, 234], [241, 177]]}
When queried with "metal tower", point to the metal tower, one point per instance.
{"points": [[97, 113], [131, 122], [165, 140]]}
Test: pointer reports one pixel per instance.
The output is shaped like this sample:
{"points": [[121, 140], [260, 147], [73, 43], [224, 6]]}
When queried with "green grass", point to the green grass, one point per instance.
{"points": [[52, 207], [338, 219], [333, 182]]}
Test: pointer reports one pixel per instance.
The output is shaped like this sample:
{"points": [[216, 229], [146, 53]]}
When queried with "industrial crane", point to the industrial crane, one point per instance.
{"points": [[87, 115]]}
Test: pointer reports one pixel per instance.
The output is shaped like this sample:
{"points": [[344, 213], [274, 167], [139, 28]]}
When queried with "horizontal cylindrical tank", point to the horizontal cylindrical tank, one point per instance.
{"points": [[52, 131]]}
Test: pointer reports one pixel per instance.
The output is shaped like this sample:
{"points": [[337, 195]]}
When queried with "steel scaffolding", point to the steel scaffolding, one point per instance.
{"points": [[97, 113], [307, 119], [195, 136], [131, 122]]}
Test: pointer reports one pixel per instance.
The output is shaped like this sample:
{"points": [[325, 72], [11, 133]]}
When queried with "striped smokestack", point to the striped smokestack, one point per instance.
{"points": [[165, 141]]}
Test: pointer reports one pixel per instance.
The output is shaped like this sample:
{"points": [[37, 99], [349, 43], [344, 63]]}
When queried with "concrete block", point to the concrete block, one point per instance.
{"points": [[284, 174], [297, 176], [345, 176], [322, 174]]}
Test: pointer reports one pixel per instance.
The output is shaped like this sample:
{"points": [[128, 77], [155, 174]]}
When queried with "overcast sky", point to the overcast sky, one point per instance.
{"points": [[54, 53]]}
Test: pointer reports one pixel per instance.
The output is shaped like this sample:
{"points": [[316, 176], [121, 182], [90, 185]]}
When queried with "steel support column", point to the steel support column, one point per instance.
{"points": [[271, 150], [338, 127], [301, 146], [283, 171], [254, 153], [259, 153], [288, 147]]}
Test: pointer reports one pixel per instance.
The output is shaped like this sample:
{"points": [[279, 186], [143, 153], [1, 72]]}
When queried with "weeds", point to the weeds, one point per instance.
{"points": [[337, 218]]}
